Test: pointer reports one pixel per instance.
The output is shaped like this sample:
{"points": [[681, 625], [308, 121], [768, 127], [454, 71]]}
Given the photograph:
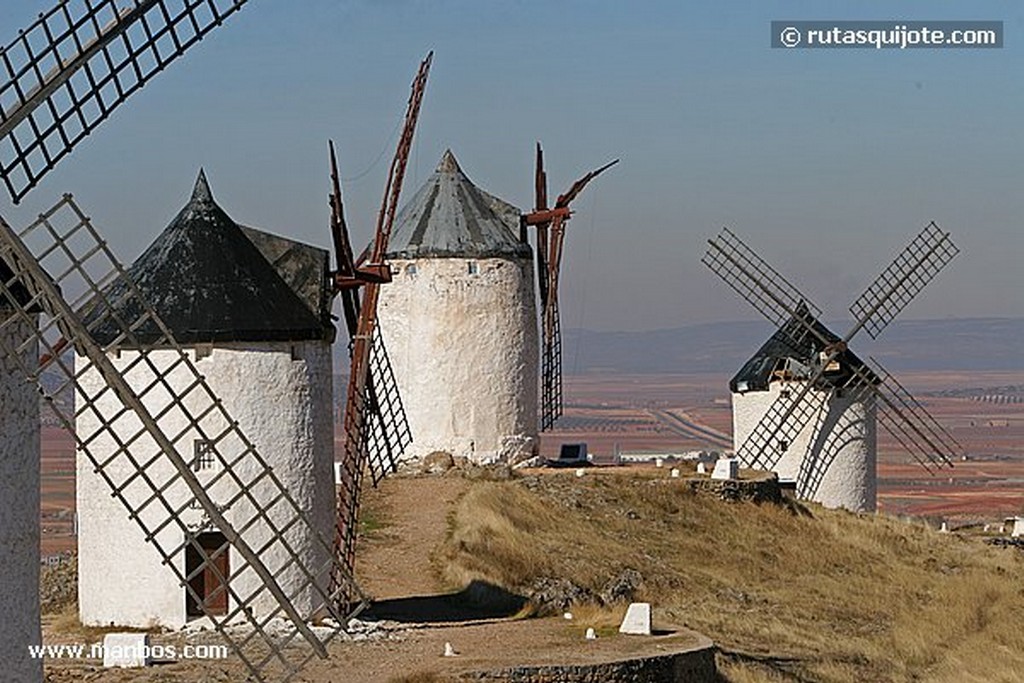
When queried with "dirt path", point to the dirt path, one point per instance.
{"points": [[408, 521]]}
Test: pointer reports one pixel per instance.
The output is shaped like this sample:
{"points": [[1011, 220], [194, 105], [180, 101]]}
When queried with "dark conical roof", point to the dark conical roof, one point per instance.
{"points": [[208, 282], [449, 216], [793, 342]]}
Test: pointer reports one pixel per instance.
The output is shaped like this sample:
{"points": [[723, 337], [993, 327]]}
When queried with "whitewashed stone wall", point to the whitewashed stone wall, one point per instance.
{"points": [[464, 349], [19, 513], [833, 458], [280, 394]]}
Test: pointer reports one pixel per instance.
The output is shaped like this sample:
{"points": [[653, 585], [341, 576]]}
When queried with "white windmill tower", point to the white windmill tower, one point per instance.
{"points": [[261, 336], [459, 319], [841, 442], [273, 561], [805, 406]]}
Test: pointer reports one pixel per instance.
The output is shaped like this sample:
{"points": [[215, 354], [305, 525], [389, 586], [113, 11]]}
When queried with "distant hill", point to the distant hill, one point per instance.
{"points": [[950, 344]]}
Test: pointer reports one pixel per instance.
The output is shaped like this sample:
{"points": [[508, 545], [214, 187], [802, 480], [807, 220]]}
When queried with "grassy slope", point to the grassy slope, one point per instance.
{"points": [[789, 593]]}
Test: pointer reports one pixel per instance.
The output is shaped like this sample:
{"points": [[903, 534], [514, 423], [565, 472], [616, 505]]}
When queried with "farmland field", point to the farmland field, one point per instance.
{"points": [[679, 413]]}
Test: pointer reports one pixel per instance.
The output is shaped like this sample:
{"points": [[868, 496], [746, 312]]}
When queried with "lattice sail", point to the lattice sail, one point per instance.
{"points": [[912, 425], [375, 439], [551, 366], [138, 413], [386, 432], [772, 295], [73, 66], [909, 273]]}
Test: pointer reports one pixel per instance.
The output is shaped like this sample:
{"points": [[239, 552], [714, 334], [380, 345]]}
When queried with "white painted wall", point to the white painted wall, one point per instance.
{"points": [[833, 458], [465, 352], [19, 512], [282, 404]]}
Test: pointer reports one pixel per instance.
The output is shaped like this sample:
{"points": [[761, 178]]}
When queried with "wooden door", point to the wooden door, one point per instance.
{"points": [[215, 593], [212, 594]]}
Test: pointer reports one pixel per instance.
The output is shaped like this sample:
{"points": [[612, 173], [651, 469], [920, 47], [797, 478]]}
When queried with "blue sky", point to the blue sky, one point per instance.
{"points": [[827, 162]]}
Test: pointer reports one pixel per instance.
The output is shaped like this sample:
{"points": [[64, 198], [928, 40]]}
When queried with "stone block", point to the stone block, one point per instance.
{"points": [[126, 650], [1018, 527], [637, 620], [726, 468]]}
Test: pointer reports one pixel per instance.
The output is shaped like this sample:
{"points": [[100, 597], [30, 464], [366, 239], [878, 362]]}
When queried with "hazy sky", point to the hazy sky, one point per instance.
{"points": [[827, 162]]}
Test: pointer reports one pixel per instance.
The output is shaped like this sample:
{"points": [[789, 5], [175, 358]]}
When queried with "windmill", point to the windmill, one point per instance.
{"points": [[460, 319], [76, 286], [376, 430], [813, 372], [550, 224], [77, 63]]}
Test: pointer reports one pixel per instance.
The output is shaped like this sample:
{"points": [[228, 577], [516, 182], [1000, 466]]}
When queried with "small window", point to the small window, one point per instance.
{"points": [[785, 393], [839, 393], [203, 456], [295, 352], [471, 268], [783, 445], [203, 351], [410, 270]]}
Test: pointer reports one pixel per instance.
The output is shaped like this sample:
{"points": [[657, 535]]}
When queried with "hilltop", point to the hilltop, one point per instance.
{"points": [[788, 592]]}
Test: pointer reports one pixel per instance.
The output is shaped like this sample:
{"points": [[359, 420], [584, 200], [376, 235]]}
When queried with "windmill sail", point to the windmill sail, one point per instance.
{"points": [[551, 365], [550, 224], [763, 287], [78, 62], [141, 444], [387, 432], [920, 261], [375, 427]]}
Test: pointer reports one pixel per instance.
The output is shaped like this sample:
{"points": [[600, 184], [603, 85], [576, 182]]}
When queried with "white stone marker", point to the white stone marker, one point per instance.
{"points": [[580, 472], [674, 473], [449, 651], [338, 473], [126, 650], [726, 468], [702, 468], [637, 620], [591, 634], [659, 462]]}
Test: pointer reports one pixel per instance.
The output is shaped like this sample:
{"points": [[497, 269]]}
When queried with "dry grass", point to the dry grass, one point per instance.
{"points": [[789, 593], [64, 625]]}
